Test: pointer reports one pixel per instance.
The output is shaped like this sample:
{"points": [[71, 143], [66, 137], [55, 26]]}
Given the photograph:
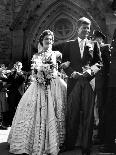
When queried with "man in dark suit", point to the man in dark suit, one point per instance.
{"points": [[101, 85], [82, 60], [15, 80], [110, 105]]}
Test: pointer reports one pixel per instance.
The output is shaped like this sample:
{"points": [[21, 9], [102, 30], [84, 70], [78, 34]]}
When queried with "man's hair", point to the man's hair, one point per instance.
{"points": [[18, 62], [83, 20]]}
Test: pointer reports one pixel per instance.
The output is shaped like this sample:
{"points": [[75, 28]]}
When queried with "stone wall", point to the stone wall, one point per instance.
{"points": [[5, 36], [8, 11], [22, 20]]}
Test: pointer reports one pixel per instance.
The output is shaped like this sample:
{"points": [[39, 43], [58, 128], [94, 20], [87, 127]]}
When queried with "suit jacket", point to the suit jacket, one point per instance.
{"points": [[15, 80], [112, 66], [105, 54], [103, 75], [71, 52]]}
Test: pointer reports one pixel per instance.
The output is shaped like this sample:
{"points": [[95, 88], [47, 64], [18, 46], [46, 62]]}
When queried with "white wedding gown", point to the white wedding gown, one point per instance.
{"points": [[38, 126]]}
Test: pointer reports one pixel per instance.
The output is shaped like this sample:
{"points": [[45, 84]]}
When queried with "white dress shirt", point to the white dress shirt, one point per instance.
{"points": [[81, 45]]}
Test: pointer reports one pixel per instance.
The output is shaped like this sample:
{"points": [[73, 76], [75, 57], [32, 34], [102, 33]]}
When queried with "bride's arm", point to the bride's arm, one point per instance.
{"points": [[33, 67], [58, 56]]}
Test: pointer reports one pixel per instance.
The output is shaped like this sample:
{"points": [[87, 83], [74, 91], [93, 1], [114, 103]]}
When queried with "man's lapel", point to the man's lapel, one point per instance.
{"points": [[87, 54], [88, 49], [76, 49]]}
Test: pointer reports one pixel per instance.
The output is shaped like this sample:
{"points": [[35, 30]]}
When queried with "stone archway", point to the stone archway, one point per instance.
{"points": [[63, 28], [60, 17]]}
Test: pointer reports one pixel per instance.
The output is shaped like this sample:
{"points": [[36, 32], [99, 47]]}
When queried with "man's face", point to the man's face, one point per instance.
{"points": [[19, 66], [83, 31]]}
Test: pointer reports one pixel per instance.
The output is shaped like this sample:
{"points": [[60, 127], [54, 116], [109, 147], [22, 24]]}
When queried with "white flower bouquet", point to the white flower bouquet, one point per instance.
{"points": [[42, 70]]}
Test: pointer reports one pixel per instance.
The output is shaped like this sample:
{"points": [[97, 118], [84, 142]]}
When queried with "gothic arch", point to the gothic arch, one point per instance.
{"points": [[68, 10]]}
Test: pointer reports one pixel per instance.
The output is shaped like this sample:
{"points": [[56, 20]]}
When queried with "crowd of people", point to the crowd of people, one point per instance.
{"points": [[52, 115], [13, 84]]}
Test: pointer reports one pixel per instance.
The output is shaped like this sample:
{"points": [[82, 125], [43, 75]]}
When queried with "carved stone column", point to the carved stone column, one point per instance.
{"points": [[111, 25], [17, 45]]}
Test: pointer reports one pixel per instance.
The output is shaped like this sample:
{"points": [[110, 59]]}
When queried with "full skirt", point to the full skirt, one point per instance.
{"points": [[38, 126]]}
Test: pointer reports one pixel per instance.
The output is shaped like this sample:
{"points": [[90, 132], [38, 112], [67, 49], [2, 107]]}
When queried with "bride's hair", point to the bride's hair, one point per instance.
{"points": [[43, 34]]}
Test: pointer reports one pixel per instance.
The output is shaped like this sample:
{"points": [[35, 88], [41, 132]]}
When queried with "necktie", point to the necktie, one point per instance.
{"points": [[81, 45]]}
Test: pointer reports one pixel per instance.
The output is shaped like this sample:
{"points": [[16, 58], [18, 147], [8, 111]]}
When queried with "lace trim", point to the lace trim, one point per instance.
{"points": [[38, 125]]}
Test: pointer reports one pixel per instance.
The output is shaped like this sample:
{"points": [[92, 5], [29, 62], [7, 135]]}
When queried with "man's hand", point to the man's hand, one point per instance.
{"points": [[75, 75], [99, 65], [95, 68], [65, 65]]}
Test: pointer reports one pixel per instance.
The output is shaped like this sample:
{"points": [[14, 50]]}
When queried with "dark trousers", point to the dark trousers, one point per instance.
{"points": [[13, 99], [101, 92], [100, 106], [110, 117], [80, 106]]}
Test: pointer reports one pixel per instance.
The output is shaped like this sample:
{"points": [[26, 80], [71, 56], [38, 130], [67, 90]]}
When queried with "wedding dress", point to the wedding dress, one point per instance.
{"points": [[38, 126]]}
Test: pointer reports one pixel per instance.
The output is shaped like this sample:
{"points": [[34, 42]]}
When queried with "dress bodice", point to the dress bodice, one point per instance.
{"points": [[48, 57], [45, 66]]}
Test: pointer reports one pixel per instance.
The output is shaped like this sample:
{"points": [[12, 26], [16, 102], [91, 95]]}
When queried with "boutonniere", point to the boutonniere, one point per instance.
{"points": [[90, 45]]}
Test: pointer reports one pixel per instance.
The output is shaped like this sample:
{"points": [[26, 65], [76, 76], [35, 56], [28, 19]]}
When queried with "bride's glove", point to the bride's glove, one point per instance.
{"points": [[65, 65], [76, 75]]}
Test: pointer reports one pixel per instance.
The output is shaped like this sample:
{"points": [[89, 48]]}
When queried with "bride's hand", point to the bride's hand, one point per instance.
{"points": [[76, 75], [65, 65]]}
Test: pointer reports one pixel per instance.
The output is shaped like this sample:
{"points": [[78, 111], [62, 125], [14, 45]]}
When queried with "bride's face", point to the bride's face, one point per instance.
{"points": [[47, 41]]}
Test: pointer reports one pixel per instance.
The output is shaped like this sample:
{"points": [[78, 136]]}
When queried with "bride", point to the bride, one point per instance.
{"points": [[38, 126]]}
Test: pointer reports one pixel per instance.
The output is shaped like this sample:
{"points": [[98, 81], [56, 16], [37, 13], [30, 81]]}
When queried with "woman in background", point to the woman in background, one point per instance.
{"points": [[38, 125]]}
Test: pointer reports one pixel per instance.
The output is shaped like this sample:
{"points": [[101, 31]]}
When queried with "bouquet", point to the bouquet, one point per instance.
{"points": [[43, 70]]}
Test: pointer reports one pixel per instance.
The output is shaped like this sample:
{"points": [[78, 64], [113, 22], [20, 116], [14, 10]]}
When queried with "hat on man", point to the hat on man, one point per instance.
{"points": [[99, 34]]}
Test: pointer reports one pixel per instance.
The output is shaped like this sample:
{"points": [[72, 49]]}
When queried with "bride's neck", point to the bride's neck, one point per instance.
{"points": [[47, 49]]}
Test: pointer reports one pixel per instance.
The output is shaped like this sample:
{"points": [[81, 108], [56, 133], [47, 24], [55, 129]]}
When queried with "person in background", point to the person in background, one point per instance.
{"points": [[110, 105], [3, 98], [81, 61], [15, 82], [101, 86]]}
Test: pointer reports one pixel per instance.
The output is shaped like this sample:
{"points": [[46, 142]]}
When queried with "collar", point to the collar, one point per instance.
{"points": [[79, 39]]}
